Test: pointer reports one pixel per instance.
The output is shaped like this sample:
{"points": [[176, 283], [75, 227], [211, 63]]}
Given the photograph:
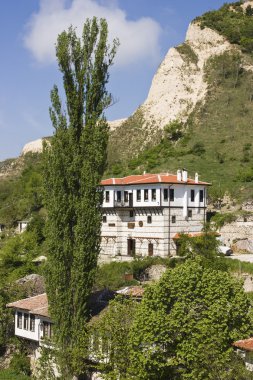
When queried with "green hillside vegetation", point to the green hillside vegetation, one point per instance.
{"points": [[233, 23], [216, 140], [21, 190]]}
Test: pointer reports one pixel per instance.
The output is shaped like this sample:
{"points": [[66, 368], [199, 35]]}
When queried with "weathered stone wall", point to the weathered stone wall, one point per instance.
{"points": [[239, 234]]}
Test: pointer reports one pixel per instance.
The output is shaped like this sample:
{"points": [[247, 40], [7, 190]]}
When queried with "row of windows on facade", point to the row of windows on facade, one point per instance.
{"points": [[149, 217], [28, 323], [168, 194]]}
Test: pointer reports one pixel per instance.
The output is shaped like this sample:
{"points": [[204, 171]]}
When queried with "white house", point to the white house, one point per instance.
{"points": [[21, 226], [244, 349], [32, 320], [143, 214]]}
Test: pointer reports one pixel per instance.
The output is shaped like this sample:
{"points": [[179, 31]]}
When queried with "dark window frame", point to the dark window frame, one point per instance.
{"points": [[107, 196], [173, 219], [146, 195], [189, 213], [32, 322], [172, 195], [131, 213], [126, 196], [104, 218], [26, 321], [19, 320], [138, 195], [192, 195], [165, 195], [201, 196], [119, 197], [153, 195], [149, 219]]}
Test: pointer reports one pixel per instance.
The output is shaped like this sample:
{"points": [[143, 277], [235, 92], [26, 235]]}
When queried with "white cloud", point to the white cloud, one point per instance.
{"points": [[139, 39]]}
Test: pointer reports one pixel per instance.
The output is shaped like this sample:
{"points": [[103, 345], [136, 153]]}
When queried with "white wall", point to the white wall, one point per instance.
{"points": [[28, 334], [182, 195]]}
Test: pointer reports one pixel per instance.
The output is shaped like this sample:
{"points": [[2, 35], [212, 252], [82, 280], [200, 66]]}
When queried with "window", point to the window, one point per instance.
{"points": [[145, 194], [165, 194], [104, 218], [25, 321], [107, 196], [192, 195], [173, 219], [138, 195], [149, 219], [32, 322], [19, 320], [46, 330], [131, 213], [118, 196], [201, 195], [126, 196], [189, 213], [172, 195], [153, 195]]}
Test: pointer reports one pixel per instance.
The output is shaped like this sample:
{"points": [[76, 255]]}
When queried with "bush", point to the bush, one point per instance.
{"points": [[221, 219], [20, 364], [198, 149]]}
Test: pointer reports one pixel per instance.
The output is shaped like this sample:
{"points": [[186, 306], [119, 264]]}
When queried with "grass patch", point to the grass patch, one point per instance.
{"points": [[237, 266], [112, 275], [188, 54], [10, 375]]}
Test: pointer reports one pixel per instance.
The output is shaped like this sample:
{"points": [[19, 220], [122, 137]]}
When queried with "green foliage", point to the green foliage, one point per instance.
{"points": [[10, 375], [74, 165], [112, 275], [188, 53], [233, 23], [186, 324], [220, 219], [110, 338], [174, 131], [198, 149], [22, 194], [45, 365], [20, 364]]}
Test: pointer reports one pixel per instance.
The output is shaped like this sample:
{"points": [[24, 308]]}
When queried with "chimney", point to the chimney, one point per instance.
{"points": [[179, 175], [196, 178], [184, 175]]}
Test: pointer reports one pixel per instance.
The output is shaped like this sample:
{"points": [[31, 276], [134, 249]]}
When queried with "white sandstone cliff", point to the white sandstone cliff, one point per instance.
{"points": [[179, 83], [35, 146]]}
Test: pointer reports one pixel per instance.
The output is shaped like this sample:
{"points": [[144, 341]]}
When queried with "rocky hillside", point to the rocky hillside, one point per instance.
{"points": [[199, 110], [198, 114]]}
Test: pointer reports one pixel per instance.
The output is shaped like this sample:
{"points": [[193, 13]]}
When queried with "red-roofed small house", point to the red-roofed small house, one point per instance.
{"points": [[142, 213], [244, 348]]}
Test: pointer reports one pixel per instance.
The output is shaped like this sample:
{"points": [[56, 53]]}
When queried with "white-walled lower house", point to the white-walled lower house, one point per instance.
{"points": [[32, 323], [244, 349], [143, 214]]}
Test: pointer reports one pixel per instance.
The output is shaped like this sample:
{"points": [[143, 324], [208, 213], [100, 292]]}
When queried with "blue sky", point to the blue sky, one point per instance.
{"points": [[146, 28]]}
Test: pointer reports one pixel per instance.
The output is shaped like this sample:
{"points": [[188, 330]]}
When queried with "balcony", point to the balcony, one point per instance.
{"points": [[122, 203]]}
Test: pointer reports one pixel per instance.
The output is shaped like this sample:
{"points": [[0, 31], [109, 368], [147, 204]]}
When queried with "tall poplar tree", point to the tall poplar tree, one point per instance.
{"points": [[74, 164]]}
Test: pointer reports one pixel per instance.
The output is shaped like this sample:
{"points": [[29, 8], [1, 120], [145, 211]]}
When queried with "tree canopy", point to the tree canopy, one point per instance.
{"points": [[74, 164], [186, 324]]}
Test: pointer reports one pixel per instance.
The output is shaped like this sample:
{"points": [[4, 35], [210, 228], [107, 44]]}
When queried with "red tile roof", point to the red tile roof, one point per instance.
{"points": [[245, 344], [193, 234], [149, 179], [36, 305], [132, 291]]}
